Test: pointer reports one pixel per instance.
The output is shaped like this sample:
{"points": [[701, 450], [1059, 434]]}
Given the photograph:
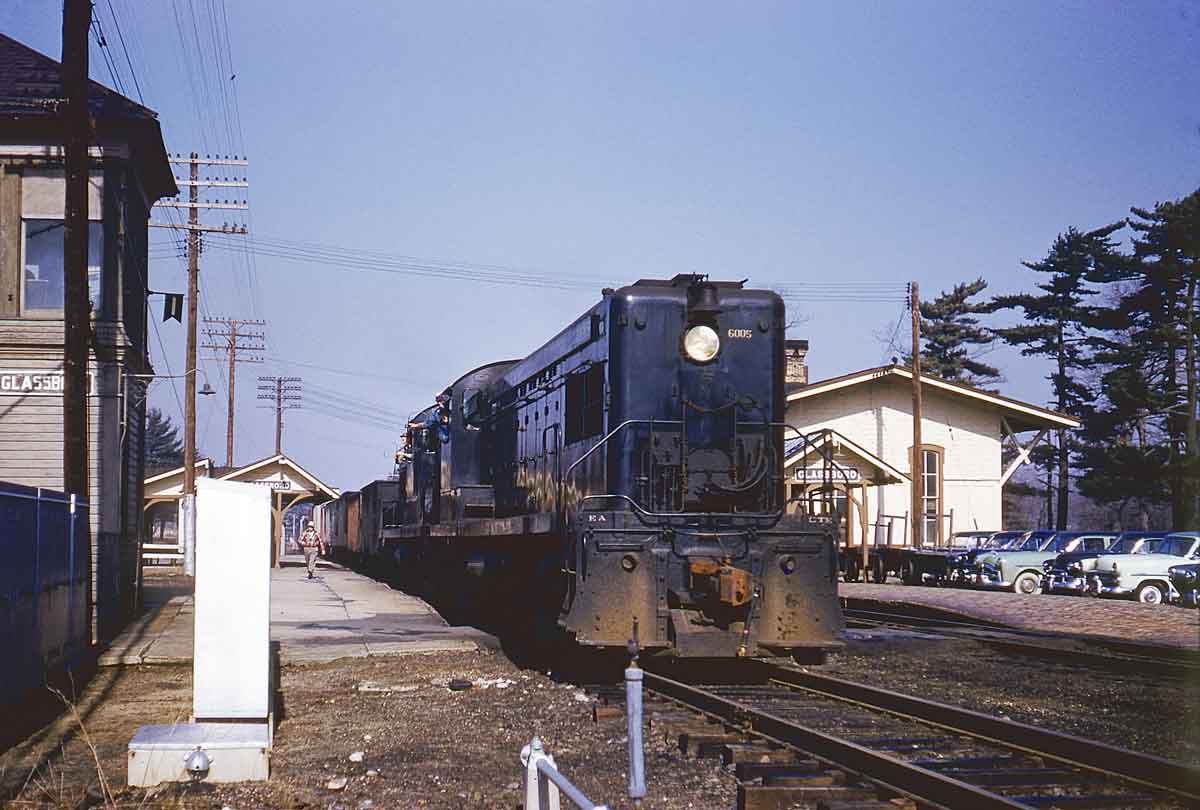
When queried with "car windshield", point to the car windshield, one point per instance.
{"points": [[968, 539], [1062, 542], [1124, 545], [999, 539], [1035, 541], [1175, 546]]}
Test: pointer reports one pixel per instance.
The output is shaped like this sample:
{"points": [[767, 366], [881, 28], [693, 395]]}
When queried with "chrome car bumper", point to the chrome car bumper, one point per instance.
{"points": [[1107, 587], [1059, 582], [987, 576]]}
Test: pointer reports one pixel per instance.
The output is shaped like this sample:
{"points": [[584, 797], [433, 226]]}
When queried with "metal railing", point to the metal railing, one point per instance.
{"points": [[544, 783]]}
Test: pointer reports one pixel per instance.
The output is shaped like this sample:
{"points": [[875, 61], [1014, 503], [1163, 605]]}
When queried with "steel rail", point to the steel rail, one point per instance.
{"points": [[904, 778], [1121, 654], [1133, 766]]}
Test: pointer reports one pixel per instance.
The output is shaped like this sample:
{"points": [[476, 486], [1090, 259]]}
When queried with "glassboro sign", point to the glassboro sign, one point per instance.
{"points": [[838, 474], [44, 383], [272, 484]]}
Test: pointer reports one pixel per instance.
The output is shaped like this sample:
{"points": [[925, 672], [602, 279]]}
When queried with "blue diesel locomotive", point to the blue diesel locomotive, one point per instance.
{"points": [[626, 480]]}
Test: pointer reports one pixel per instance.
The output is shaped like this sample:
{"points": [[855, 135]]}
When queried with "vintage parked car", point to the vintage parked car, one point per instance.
{"points": [[1185, 579], [918, 565], [1067, 573], [1021, 571], [961, 564], [1144, 577]]}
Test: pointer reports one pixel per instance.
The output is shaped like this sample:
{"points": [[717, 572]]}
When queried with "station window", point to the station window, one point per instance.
{"points": [[42, 280], [585, 404], [931, 495]]}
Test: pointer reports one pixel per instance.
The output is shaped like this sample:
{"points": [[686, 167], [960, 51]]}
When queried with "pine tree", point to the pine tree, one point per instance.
{"points": [[164, 448], [1159, 313], [1058, 326], [949, 331]]}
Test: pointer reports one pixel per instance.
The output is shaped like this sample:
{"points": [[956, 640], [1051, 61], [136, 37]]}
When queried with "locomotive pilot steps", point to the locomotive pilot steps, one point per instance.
{"points": [[626, 480]]}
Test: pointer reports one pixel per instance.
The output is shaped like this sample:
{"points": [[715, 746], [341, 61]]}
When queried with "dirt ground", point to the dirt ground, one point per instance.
{"points": [[426, 746], [1155, 714], [423, 745]]}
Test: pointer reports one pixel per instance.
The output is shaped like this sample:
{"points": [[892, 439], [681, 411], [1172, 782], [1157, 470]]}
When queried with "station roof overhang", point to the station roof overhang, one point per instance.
{"points": [[881, 473], [280, 473], [169, 484], [1019, 416], [284, 476]]}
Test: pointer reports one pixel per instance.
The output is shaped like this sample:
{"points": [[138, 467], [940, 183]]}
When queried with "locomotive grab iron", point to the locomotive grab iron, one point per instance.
{"points": [[626, 480]]}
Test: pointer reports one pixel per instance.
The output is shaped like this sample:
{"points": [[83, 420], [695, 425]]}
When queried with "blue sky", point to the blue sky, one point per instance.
{"points": [[787, 143]]}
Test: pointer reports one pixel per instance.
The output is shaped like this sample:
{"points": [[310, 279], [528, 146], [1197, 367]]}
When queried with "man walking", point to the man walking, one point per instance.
{"points": [[311, 543]]}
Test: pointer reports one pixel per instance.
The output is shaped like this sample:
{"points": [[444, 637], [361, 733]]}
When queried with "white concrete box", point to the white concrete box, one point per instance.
{"points": [[231, 670], [237, 752]]}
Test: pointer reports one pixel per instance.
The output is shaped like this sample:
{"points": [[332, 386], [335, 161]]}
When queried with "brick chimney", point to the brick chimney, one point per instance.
{"points": [[795, 352]]}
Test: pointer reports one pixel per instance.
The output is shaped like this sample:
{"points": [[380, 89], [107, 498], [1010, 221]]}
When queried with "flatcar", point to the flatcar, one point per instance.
{"points": [[625, 481]]}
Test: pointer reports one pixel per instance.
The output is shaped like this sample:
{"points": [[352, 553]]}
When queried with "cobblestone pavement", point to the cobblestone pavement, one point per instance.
{"points": [[1108, 618]]}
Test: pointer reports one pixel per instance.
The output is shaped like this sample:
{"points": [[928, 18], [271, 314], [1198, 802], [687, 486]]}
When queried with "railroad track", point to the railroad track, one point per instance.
{"points": [[1109, 654], [793, 736]]}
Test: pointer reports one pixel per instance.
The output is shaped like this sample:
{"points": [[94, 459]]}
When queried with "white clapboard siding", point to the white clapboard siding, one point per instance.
{"points": [[878, 416]]}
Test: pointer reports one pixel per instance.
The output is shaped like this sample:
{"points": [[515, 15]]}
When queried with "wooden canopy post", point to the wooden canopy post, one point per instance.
{"points": [[862, 522]]}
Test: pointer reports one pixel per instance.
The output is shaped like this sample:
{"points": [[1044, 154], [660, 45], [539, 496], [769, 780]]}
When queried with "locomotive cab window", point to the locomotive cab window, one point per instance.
{"points": [[585, 404]]}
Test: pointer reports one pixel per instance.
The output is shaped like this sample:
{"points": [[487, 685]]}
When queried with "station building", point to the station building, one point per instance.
{"points": [[866, 419], [129, 171]]}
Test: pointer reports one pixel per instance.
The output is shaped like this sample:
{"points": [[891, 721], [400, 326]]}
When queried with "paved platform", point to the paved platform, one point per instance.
{"points": [[1104, 618], [337, 614]]}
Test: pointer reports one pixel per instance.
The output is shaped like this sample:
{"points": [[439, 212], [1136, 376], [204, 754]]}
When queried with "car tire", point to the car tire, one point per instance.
{"points": [[1027, 583], [1150, 594]]}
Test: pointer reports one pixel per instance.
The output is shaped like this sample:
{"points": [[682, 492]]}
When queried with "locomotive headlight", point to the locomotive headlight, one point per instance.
{"points": [[701, 343]]}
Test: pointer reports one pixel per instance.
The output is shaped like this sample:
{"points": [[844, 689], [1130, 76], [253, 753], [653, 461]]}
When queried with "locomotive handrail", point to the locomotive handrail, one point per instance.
{"points": [[774, 516], [614, 432]]}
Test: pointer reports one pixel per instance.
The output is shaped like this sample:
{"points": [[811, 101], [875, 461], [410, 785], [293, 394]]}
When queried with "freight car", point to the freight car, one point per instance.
{"points": [[360, 526], [625, 480]]}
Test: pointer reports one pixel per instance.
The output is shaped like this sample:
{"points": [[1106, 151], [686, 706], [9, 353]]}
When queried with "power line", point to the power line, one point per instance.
{"points": [[128, 61], [343, 258], [345, 371], [98, 35]]}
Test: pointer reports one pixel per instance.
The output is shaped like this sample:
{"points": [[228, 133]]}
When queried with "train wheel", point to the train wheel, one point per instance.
{"points": [[878, 571], [853, 572], [908, 573]]}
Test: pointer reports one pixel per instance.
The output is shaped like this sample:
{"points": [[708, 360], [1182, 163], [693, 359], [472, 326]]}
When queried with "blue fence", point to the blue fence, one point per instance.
{"points": [[43, 586]]}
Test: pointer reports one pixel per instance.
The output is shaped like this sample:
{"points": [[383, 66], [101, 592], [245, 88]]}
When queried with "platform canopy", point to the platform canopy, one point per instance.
{"points": [[168, 486], [805, 461], [289, 484], [280, 474]]}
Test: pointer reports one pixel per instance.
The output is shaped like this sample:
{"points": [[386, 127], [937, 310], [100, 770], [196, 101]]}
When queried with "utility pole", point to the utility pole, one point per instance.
{"points": [[189, 413], [285, 392], [194, 229], [918, 456], [77, 17], [226, 336]]}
